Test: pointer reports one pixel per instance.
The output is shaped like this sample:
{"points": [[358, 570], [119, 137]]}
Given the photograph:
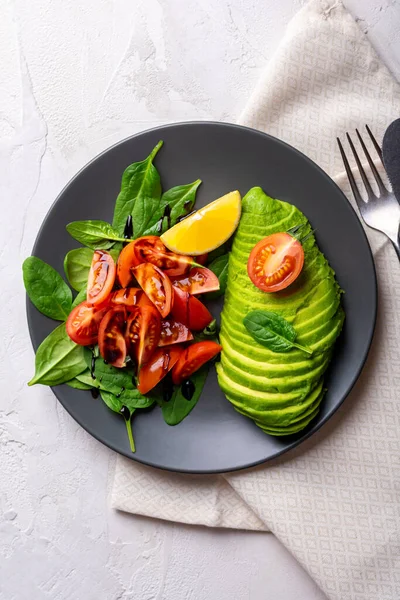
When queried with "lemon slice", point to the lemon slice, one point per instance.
{"points": [[207, 228]]}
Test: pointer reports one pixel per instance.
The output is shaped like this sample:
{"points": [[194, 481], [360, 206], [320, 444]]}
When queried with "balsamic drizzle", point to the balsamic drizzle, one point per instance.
{"points": [[128, 230], [188, 388]]}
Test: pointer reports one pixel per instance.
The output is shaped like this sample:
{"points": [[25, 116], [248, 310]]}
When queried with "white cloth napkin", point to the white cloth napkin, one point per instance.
{"points": [[334, 502]]}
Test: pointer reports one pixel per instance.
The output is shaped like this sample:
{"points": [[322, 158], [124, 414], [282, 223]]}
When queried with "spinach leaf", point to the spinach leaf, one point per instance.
{"points": [[176, 409], [46, 289], [77, 265], [139, 196], [119, 407], [94, 234], [219, 266], [180, 200], [208, 333], [120, 382], [273, 331], [80, 297], [78, 385], [58, 359], [217, 252]]}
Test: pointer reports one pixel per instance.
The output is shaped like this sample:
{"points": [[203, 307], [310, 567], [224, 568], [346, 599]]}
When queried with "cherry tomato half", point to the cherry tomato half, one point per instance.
{"points": [[190, 311], [112, 344], [192, 358], [156, 369], [151, 249], [83, 323], [173, 332], [202, 259], [156, 285], [126, 297], [101, 277], [126, 261], [275, 262], [197, 281], [143, 333]]}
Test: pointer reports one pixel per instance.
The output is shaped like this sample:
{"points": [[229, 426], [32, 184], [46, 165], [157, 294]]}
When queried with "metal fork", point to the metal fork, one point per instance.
{"points": [[378, 212]]}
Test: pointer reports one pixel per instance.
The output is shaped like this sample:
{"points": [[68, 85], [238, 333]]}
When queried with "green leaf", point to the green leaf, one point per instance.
{"points": [[77, 265], [120, 382], [140, 186], [217, 252], [181, 200], [209, 333], [94, 234], [273, 331], [58, 359], [115, 405], [219, 266], [80, 297], [78, 385], [176, 409], [86, 379], [46, 289]]}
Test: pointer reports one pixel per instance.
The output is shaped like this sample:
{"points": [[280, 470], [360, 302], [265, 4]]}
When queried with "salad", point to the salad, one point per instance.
{"points": [[139, 334]]}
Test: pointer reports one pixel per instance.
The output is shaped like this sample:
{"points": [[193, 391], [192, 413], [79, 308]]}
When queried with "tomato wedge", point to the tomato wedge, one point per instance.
{"points": [[190, 311], [101, 277], [127, 260], [83, 323], [157, 368], [151, 249], [192, 358], [126, 297], [156, 285], [173, 332], [275, 262], [202, 259], [197, 281], [143, 333], [112, 344]]}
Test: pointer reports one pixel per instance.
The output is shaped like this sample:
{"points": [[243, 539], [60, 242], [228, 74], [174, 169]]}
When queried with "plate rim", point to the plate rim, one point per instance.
{"points": [[370, 333]]}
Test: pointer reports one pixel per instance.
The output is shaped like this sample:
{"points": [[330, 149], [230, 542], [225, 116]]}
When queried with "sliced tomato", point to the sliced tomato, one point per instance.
{"points": [[156, 285], [101, 277], [83, 323], [151, 249], [112, 344], [173, 332], [126, 297], [198, 281], [143, 333], [192, 358], [190, 311], [275, 262], [157, 368], [202, 259], [144, 300], [127, 260]]}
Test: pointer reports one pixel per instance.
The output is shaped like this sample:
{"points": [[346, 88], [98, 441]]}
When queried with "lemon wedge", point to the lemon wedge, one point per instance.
{"points": [[207, 228]]}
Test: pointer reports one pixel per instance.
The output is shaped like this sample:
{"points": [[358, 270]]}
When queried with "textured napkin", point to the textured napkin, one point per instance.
{"points": [[334, 502]]}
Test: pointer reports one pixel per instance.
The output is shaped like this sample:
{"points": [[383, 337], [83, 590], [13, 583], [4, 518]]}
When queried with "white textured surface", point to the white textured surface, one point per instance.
{"points": [[77, 77]]}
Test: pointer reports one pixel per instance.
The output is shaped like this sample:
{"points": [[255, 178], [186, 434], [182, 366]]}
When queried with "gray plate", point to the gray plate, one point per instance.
{"points": [[215, 438]]}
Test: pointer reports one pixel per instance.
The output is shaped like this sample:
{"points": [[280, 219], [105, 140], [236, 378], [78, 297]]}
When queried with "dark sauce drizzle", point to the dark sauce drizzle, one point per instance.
{"points": [[188, 389], [119, 393], [94, 392], [128, 231], [186, 216], [167, 388], [125, 412]]}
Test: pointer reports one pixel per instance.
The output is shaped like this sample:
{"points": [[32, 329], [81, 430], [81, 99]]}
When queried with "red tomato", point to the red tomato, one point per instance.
{"points": [[126, 297], [190, 311], [143, 333], [198, 281], [275, 262], [144, 300], [101, 277], [192, 358], [112, 344], [156, 369], [151, 249], [156, 285], [202, 259], [126, 261], [83, 323], [173, 332]]}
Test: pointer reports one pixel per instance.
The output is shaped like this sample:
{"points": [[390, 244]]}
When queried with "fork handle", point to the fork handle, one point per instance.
{"points": [[396, 245]]}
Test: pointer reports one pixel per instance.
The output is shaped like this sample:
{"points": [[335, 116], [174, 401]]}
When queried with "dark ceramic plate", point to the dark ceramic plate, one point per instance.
{"points": [[215, 438]]}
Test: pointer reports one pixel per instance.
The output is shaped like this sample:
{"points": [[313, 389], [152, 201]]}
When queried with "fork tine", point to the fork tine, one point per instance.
{"points": [[374, 170], [367, 184], [375, 143], [352, 181]]}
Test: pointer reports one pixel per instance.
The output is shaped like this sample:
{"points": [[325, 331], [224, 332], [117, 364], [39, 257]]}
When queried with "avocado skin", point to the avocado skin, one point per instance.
{"points": [[280, 392]]}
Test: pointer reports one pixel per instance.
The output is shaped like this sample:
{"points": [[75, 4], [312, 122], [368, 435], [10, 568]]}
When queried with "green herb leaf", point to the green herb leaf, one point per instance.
{"points": [[94, 234], [58, 359], [80, 297], [140, 186], [209, 333], [273, 331], [176, 409], [77, 265], [78, 385], [46, 289], [115, 405], [219, 266], [181, 200]]}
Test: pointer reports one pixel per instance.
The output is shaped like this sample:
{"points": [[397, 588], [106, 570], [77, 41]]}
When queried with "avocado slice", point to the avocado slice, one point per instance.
{"points": [[280, 392]]}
